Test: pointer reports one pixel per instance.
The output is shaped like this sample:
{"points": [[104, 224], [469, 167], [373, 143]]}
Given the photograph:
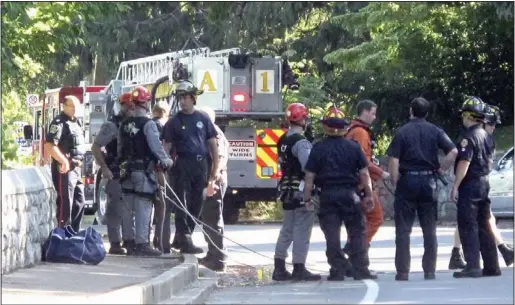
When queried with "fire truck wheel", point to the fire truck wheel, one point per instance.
{"points": [[100, 199], [231, 211]]}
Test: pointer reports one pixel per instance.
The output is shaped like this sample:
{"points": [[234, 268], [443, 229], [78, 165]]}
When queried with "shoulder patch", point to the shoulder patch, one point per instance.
{"points": [[53, 129], [464, 143]]}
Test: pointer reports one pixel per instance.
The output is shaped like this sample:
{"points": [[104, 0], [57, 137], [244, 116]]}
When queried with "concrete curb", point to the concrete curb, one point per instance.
{"points": [[153, 291], [199, 291]]}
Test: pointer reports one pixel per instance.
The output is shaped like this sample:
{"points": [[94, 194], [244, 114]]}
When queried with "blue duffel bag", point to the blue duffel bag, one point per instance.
{"points": [[67, 246]]}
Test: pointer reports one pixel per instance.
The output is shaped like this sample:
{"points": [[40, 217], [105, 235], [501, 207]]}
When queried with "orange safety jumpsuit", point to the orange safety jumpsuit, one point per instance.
{"points": [[358, 132]]}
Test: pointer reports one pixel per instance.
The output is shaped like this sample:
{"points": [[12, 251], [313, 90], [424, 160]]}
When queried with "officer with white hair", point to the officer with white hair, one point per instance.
{"points": [[213, 205]]}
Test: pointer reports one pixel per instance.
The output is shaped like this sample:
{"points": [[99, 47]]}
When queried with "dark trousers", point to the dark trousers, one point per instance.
{"points": [[70, 196], [337, 205], [415, 195], [190, 179], [212, 216], [473, 224]]}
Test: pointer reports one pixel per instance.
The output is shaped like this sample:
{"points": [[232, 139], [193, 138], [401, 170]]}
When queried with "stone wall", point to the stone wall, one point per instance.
{"points": [[28, 215], [446, 208]]}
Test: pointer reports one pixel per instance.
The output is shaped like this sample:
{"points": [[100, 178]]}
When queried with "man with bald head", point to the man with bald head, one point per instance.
{"points": [[65, 144]]}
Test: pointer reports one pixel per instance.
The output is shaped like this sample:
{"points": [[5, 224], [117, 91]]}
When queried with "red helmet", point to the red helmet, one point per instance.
{"points": [[125, 98], [140, 95], [296, 112]]}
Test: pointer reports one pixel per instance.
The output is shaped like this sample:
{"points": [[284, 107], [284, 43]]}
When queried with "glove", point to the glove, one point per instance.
{"points": [[166, 164]]}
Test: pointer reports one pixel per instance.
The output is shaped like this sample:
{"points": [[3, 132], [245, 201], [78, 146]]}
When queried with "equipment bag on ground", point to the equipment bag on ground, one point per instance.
{"points": [[67, 246]]}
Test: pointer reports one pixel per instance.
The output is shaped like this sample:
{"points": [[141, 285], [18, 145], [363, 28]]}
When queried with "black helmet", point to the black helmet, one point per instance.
{"points": [[186, 87], [474, 107], [492, 115]]}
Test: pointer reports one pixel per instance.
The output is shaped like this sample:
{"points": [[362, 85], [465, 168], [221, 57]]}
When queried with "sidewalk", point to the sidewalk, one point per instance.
{"points": [[62, 283]]}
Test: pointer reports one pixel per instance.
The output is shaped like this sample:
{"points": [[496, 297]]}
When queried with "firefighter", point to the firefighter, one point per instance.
{"points": [[413, 167], [115, 211], [192, 136], [359, 132], [65, 144], [294, 150], [338, 165], [493, 117], [471, 187], [212, 209], [140, 152]]}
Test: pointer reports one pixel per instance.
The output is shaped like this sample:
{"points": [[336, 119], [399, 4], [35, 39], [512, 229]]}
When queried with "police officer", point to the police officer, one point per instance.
{"points": [[493, 117], [65, 144], [192, 136], [140, 152], [294, 150], [107, 137], [413, 156], [338, 165], [212, 209], [471, 187]]}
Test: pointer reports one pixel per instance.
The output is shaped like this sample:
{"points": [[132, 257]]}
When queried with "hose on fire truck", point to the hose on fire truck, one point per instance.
{"points": [[180, 205]]}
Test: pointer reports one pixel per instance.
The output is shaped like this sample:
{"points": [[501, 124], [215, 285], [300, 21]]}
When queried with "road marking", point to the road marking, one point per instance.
{"points": [[372, 292]]}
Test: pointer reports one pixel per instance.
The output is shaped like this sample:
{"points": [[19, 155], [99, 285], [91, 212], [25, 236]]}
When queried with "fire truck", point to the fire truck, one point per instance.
{"points": [[237, 86], [43, 114]]}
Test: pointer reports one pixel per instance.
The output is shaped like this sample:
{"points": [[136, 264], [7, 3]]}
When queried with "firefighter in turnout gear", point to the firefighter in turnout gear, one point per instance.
{"points": [[294, 150], [140, 152], [115, 211], [492, 118], [470, 191], [338, 165]]}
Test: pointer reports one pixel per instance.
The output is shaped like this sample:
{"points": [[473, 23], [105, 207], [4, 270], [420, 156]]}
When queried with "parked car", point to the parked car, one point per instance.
{"points": [[501, 186]]}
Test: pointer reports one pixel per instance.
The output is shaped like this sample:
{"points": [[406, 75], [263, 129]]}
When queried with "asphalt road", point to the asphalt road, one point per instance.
{"points": [[246, 289]]}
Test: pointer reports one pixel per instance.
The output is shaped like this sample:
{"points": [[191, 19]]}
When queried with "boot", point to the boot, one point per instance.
{"points": [[364, 274], [300, 273], [212, 264], [176, 242], [130, 246], [146, 250], [116, 249], [507, 253], [468, 272], [189, 248], [280, 273], [457, 261], [336, 275]]}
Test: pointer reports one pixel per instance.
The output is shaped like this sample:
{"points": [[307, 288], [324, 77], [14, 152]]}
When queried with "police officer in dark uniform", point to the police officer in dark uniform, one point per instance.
{"points": [[115, 210], [337, 165], [140, 152], [65, 144], [470, 191], [413, 155], [192, 136]]}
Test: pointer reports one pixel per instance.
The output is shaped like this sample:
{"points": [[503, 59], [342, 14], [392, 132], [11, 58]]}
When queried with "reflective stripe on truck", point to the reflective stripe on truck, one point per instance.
{"points": [[266, 153]]}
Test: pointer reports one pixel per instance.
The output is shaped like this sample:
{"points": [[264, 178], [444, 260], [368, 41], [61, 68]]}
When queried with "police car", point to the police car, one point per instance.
{"points": [[501, 186]]}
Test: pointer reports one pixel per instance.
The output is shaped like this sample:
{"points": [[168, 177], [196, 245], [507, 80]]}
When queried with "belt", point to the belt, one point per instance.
{"points": [[419, 173], [191, 157]]}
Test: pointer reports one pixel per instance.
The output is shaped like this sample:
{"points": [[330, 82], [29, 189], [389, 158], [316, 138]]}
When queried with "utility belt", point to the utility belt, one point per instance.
{"points": [[290, 194], [426, 173], [130, 166]]}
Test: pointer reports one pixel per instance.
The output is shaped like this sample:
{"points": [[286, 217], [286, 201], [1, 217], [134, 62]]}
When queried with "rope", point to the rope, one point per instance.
{"points": [[198, 222]]}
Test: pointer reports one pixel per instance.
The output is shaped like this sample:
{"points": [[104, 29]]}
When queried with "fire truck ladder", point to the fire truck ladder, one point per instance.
{"points": [[148, 69]]}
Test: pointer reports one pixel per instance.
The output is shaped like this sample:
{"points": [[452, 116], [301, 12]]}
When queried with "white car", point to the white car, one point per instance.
{"points": [[501, 186]]}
